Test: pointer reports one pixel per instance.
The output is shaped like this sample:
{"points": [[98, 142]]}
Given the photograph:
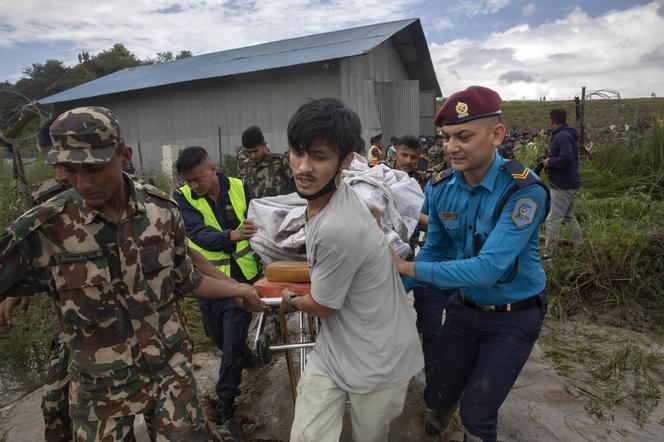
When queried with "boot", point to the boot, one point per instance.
{"points": [[225, 410], [440, 421]]}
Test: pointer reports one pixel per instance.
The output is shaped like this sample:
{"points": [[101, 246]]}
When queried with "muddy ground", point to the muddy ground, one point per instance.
{"points": [[543, 405]]}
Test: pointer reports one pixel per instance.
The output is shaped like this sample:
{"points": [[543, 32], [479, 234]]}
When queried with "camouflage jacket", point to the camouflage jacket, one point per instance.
{"points": [[435, 156], [270, 177], [47, 190], [117, 287]]}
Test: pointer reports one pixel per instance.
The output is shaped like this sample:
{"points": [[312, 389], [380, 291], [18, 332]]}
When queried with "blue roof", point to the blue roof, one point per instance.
{"points": [[291, 52]]}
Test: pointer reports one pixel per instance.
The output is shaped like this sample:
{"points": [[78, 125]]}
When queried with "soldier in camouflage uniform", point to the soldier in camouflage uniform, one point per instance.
{"points": [[268, 173], [112, 254], [55, 401], [437, 152]]}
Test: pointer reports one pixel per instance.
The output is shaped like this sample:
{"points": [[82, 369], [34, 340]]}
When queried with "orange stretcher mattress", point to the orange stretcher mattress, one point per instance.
{"points": [[288, 271], [268, 289]]}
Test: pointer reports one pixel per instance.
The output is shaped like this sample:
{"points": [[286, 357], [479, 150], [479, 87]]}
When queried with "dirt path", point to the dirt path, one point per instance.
{"points": [[541, 407]]}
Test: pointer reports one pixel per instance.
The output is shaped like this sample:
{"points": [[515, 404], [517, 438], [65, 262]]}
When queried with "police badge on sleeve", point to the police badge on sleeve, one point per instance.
{"points": [[524, 212]]}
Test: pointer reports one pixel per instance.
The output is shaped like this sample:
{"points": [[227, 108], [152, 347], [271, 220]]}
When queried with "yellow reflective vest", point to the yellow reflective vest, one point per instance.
{"points": [[222, 260]]}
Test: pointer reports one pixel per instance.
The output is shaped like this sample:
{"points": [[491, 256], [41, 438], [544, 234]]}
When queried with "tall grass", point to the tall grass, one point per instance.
{"points": [[621, 211]]}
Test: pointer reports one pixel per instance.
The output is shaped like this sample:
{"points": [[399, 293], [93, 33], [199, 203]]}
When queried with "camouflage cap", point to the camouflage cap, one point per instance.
{"points": [[85, 135]]}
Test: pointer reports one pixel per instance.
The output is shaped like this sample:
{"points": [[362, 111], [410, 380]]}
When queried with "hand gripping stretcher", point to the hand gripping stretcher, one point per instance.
{"points": [[270, 289]]}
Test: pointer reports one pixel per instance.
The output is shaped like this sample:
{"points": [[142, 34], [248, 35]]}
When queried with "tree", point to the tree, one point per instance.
{"points": [[164, 56], [114, 59], [41, 79], [183, 54]]}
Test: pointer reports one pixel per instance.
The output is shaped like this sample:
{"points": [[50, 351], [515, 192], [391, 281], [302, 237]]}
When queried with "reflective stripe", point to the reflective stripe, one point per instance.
{"points": [[247, 250], [243, 254]]}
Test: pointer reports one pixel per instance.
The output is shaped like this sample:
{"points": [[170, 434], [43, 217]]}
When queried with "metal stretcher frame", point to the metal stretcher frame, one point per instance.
{"points": [[264, 348]]}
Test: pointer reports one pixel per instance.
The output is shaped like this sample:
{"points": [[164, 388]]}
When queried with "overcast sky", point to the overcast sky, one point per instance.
{"points": [[521, 48]]}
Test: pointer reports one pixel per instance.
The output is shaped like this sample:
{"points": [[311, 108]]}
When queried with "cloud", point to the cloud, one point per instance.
{"points": [[621, 49], [443, 23], [173, 9], [473, 8], [519, 76], [660, 7], [529, 10], [148, 27], [655, 56]]}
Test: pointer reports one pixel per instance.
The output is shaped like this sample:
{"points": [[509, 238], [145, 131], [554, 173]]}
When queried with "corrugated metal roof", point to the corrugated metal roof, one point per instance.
{"points": [[294, 51]]}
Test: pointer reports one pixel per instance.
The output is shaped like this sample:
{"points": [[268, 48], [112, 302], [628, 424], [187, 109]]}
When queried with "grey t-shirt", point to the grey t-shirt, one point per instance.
{"points": [[370, 341]]}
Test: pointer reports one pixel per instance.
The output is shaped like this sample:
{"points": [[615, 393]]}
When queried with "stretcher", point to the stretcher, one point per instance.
{"points": [[264, 345]]}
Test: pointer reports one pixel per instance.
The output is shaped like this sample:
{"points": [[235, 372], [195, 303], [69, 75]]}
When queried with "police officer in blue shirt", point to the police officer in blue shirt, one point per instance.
{"points": [[487, 210]]}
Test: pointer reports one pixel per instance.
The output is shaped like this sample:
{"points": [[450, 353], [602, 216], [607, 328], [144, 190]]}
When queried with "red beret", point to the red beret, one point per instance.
{"points": [[468, 105]]}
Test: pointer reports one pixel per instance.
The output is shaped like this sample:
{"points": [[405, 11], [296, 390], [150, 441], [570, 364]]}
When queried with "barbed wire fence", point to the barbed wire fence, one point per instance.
{"points": [[17, 130]]}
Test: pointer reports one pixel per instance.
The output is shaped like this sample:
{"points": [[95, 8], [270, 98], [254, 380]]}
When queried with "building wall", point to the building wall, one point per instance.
{"points": [[372, 83], [358, 76], [214, 113]]}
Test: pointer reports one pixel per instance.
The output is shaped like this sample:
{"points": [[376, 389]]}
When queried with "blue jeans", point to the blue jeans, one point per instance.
{"points": [[430, 301], [478, 358], [227, 326]]}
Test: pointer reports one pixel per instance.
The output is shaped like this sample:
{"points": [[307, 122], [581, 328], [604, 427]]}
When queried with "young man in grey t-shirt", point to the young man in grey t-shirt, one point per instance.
{"points": [[368, 347]]}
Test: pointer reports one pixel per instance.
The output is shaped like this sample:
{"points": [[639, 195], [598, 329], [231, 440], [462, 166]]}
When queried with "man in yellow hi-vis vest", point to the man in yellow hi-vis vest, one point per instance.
{"points": [[214, 208]]}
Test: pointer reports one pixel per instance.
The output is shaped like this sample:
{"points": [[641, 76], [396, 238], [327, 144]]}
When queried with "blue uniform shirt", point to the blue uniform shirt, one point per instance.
{"points": [[458, 212]]}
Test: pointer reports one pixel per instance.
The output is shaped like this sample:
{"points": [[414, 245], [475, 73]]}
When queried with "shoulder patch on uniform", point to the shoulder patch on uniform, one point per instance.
{"points": [[152, 190], [524, 212]]}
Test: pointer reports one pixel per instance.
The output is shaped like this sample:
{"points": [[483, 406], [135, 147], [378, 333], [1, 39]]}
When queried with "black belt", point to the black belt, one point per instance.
{"points": [[525, 304]]}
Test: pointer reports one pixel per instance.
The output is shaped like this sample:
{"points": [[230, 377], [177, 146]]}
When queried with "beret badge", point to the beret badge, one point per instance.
{"points": [[461, 109]]}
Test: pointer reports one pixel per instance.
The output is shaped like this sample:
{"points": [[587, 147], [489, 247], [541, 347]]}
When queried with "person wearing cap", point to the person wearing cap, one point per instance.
{"points": [[488, 210], [112, 253], [268, 173]]}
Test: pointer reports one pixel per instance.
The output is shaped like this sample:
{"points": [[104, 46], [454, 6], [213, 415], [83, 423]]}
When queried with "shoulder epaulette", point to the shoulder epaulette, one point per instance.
{"points": [[47, 190], [441, 176], [152, 190], [521, 175], [34, 218]]}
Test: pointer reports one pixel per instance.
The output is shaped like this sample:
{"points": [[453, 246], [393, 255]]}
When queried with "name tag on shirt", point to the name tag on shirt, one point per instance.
{"points": [[448, 215], [73, 258]]}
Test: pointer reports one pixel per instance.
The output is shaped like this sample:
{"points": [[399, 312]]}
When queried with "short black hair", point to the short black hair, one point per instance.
{"points": [[410, 141], [326, 118], [252, 137], [394, 140], [189, 158], [558, 116]]}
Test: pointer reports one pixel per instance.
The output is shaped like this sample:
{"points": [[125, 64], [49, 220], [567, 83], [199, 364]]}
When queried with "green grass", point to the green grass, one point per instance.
{"points": [[599, 113]]}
